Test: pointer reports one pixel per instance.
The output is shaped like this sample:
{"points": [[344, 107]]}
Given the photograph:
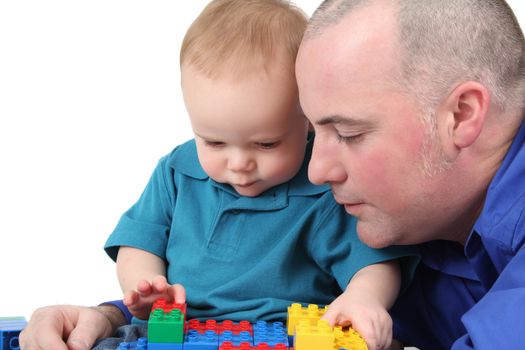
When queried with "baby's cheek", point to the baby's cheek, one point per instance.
{"points": [[211, 167]]}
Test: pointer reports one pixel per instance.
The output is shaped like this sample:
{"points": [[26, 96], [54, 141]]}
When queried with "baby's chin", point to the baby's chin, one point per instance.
{"points": [[253, 190]]}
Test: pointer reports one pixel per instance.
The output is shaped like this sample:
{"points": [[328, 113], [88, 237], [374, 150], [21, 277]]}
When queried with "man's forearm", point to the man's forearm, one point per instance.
{"points": [[113, 314]]}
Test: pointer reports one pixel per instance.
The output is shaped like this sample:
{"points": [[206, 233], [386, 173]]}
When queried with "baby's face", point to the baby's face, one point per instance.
{"points": [[250, 133]]}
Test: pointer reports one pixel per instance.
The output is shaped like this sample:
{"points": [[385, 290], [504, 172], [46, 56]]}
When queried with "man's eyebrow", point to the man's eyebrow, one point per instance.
{"points": [[338, 119]]}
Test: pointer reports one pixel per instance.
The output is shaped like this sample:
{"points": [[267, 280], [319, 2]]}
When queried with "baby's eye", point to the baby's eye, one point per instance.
{"points": [[213, 143], [268, 145]]}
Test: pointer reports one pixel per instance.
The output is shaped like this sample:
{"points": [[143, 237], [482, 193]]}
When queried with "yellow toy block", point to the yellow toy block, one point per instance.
{"points": [[313, 337], [312, 333], [348, 339], [297, 313]]}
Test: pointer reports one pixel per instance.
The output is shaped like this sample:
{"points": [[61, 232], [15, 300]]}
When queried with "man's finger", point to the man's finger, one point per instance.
{"points": [[44, 331], [92, 325]]}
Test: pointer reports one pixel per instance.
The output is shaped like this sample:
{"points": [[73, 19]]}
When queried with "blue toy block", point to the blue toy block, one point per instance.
{"points": [[270, 333], [290, 341], [140, 344], [236, 339], [194, 340], [165, 346], [10, 328]]}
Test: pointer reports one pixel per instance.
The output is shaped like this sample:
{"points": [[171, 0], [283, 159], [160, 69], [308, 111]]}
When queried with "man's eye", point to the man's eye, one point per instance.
{"points": [[214, 143], [268, 145], [349, 139]]}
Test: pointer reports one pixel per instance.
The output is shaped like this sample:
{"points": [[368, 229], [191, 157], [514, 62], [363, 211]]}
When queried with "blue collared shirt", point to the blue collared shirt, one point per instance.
{"points": [[245, 257], [473, 297]]}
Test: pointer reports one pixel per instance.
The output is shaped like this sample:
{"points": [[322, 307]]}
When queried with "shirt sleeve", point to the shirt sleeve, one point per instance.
{"points": [[496, 321], [338, 250], [147, 223], [120, 305]]}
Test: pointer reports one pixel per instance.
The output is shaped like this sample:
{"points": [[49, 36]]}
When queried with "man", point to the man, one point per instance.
{"points": [[418, 112], [415, 106]]}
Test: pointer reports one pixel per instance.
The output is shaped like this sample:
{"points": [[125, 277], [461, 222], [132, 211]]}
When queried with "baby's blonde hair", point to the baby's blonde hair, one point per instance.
{"points": [[240, 37]]}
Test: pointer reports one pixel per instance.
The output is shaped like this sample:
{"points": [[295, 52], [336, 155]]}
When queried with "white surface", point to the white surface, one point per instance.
{"points": [[89, 101]]}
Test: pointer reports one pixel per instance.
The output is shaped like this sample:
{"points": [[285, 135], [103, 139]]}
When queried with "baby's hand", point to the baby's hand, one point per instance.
{"points": [[364, 314], [140, 301]]}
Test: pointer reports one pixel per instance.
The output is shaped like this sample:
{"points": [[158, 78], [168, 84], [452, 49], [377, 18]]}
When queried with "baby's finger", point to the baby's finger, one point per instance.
{"points": [[159, 284], [330, 316], [179, 293], [385, 334], [130, 298], [144, 288], [369, 333]]}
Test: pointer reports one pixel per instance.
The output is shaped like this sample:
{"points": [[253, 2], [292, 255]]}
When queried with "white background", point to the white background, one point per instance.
{"points": [[89, 101]]}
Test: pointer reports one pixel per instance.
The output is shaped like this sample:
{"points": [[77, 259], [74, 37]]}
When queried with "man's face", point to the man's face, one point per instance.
{"points": [[370, 145]]}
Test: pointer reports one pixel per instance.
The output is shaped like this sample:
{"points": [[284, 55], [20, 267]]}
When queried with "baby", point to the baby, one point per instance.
{"points": [[229, 222]]}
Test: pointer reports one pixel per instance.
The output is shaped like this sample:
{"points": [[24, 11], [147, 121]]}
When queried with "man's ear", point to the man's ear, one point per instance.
{"points": [[463, 115]]}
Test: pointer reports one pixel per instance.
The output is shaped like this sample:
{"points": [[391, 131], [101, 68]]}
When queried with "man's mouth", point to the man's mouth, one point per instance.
{"points": [[354, 208]]}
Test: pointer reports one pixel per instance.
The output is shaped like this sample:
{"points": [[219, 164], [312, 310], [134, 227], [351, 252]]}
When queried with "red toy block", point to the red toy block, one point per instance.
{"points": [[219, 327], [167, 307], [201, 327], [247, 346]]}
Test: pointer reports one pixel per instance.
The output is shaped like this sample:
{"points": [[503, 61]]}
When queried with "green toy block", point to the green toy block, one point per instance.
{"points": [[166, 327]]}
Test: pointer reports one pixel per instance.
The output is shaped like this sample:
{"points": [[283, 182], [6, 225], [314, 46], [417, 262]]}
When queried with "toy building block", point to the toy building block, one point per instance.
{"points": [[348, 339], [165, 346], [236, 339], [313, 337], [194, 340], [10, 328], [269, 333], [163, 304], [140, 344], [229, 346], [234, 327], [219, 327], [247, 346], [201, 326], [166, 327], [297, 313]]}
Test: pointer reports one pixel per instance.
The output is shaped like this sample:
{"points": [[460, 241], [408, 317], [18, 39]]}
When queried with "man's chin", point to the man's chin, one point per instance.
{"points": [[373, 236]]}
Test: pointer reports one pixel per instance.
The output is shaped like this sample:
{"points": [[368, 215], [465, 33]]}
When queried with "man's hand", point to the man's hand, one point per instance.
{"points": [[69, 327]]}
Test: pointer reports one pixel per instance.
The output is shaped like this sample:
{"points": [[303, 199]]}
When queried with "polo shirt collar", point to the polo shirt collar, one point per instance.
{"points": [[187, 161], [188, 164]]}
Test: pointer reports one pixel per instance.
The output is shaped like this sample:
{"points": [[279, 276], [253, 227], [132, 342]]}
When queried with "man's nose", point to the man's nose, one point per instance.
{"points": [[325, 165]]}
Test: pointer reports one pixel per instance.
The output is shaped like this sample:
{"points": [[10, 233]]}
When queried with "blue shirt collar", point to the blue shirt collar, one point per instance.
{"points": [[491, 241], [497, 233], [502, 208], [447, 257]]}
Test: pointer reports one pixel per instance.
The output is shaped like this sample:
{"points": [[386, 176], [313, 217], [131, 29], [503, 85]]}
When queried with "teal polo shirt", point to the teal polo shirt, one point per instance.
{"points": [[244, 258]]}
